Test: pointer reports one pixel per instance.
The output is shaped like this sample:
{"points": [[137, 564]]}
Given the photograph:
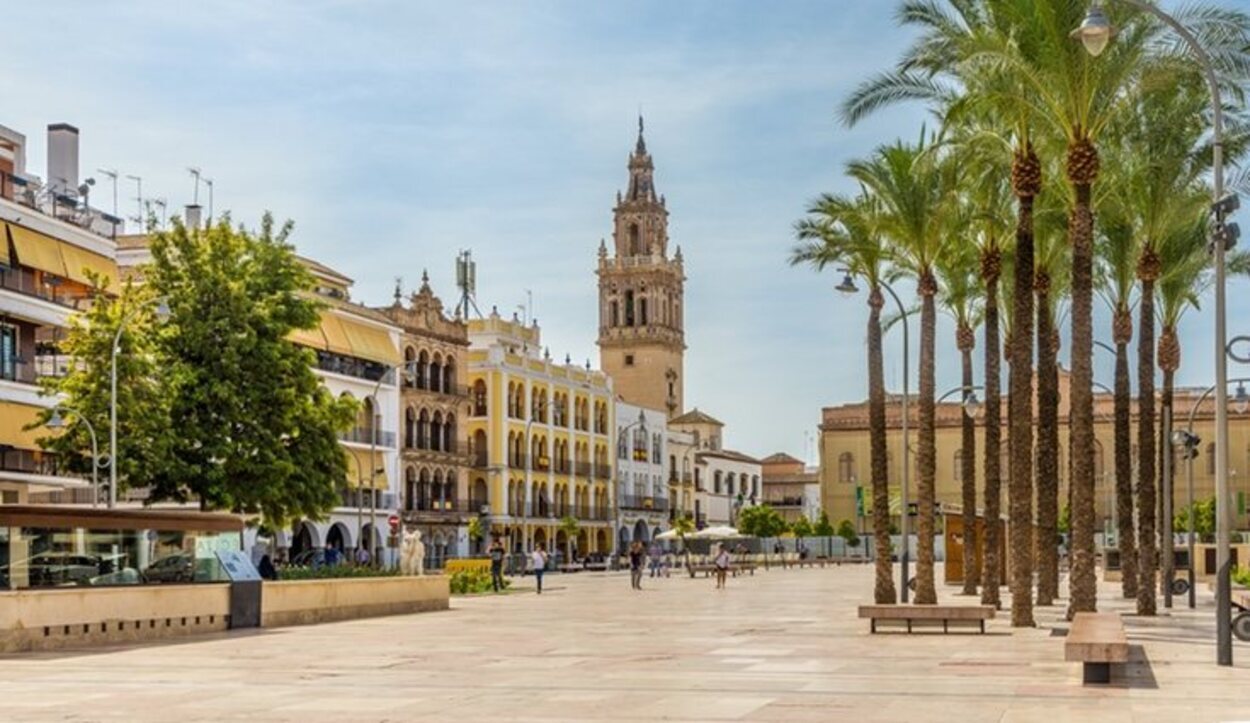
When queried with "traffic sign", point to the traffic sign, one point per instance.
{"points": [[394, 521]]}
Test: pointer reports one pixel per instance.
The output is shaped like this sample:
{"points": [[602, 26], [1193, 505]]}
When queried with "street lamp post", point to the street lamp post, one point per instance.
{"points": [[374, 423], [56, 421], [848, 287], [620, 440], [162, 312], [1095, 33]]}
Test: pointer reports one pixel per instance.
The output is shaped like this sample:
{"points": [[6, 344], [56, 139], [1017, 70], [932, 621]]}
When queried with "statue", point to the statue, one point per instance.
{"points": [[412, 554]]}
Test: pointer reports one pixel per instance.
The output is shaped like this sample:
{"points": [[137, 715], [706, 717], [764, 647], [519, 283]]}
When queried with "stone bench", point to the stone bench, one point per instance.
{"points": [[1096, 640], [946, 614]]}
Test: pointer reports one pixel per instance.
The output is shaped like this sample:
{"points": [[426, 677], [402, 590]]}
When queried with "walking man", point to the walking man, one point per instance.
{"points": [[496, 553], [538, 559], [655, 559]]}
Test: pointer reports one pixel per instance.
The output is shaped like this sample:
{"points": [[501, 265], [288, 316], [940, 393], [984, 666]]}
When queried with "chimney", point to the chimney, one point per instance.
{"points": [[63, 158], [193, 215]]}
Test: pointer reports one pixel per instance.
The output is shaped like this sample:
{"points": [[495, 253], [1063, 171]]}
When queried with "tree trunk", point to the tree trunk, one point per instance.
{"points": [[1147, 543], [926, 447], [1169, 362], [1082, 168], [1122, 329], [991, 265], [1047, 446], [883, 590], [967, 465], [1020, 415]]}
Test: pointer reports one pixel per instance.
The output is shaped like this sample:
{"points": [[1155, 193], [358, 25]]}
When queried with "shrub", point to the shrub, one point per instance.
{"points": [[465, 564], [472, 582], [331, 572], [1241, 576]]}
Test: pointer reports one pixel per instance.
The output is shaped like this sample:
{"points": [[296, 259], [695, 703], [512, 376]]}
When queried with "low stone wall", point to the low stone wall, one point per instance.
{"points": [[301, 602], [81, 617], [75, 617]]}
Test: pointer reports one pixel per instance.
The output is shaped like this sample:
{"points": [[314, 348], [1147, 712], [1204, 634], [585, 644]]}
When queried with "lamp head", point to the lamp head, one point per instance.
{"points": [[972, 405], [162, 310], [847, 287], [56, 421], [1096, 31]]}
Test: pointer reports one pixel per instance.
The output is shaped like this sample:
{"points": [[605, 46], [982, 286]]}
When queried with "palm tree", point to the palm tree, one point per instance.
{"points": [[841, 230], [684, 525], [914, 188], [1050, 286], [959, 275]]}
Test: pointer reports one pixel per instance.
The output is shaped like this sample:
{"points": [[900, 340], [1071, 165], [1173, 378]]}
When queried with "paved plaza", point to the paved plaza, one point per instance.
{"points": [[779, 646]]}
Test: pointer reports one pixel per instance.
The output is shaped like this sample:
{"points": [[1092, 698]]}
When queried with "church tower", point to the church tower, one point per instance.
{"points": [[641, 336]]}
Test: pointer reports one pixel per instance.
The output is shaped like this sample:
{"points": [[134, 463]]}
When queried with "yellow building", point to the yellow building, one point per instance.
{"points": [[540, 438], [845, 455]]}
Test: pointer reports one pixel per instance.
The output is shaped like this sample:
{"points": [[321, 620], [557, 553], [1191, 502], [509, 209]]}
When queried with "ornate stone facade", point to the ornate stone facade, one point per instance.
{"points": [[434, 458], [641, 333]]}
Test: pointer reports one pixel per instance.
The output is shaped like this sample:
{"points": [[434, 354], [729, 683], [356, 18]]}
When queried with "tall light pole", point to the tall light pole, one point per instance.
{"points": [[848, 287], [373, 446], [162, 312], [620, 439], [1095, 33], [56, 421]]}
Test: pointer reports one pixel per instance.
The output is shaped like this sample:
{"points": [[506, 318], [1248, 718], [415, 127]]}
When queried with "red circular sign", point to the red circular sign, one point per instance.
{"points": [[394, 520]]}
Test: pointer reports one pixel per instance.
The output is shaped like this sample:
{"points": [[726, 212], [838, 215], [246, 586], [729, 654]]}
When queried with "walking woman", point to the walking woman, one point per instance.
{"points": [[636, 557], [538, 560], [721, 564]]}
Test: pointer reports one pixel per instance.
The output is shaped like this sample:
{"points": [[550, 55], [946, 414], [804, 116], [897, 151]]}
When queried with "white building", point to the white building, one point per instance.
{"points": [[49, 237], [642, 493], [725, 481]]}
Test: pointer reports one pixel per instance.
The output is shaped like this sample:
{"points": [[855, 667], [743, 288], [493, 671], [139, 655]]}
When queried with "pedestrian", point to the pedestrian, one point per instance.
{"points": [[655, 559], [538, 559], [266, 569], [636, 555], [362, 555], [496, 553], [721, 563]]}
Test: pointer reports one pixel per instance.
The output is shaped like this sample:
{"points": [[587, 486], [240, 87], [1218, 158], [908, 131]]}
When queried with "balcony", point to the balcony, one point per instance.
{"points": [[427, 508], [582, 469], [349, 366], [446, 389], [359, 499], [457, 451], [365, 435], [636, 502], [603, 472], [785, 502]]}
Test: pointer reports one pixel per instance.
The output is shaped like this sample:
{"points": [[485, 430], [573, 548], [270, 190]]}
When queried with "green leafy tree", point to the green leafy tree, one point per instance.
{"points": [[847, 532], [257, 430], [802, 527], [824, 528], [144, 436], [569, 526], [475, 530], [1204, 519], [761, 521]]}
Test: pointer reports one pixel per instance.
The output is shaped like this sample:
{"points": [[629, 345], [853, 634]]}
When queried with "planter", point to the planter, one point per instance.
{"points": [[303, 602]]}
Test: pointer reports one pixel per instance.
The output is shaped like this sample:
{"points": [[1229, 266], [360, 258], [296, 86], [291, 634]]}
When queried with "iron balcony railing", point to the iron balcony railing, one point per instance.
{"points": [[365, 435], [636, 502]]}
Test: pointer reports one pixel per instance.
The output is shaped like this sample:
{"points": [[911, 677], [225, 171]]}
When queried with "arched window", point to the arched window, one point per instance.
{"points": [[615, 315], [642, 311], [436, 373], [410, 358], [410, 488], [423, 370], [436, 432], [423, 430], [449, 433], [410, 428], [622, 448], [635, 243], [846, 468], [479, 398], [449, 375], [629, 307], [716, 482], [480, 449]]}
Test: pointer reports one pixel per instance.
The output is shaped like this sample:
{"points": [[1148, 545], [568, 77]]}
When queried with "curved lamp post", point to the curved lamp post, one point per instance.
{"points": [[373, 451], [162, 313], [56, 421], [1095, 33], [847, 288]]}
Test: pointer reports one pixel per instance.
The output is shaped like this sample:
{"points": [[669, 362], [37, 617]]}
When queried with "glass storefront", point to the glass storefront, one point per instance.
{"points": [[44, 556]]}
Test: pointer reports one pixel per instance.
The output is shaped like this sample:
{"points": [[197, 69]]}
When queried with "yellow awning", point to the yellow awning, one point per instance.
{"points": [[336, 335], [358, 468], [78, 259], [370, 342], [4, 244], [13, 417], [312, 338], [38, 251]]}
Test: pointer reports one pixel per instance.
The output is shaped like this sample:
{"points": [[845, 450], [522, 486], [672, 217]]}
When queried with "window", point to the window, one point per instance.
{"points": [[657, 454], [1211, 458], [8, 352], [629, 308], [846, 468], [716, 481], [615, 314], [622, 449], [642, 311], [629, 360]]}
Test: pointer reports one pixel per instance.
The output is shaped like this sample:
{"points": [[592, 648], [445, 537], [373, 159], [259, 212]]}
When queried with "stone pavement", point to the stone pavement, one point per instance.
{"points": [[783, 645]]}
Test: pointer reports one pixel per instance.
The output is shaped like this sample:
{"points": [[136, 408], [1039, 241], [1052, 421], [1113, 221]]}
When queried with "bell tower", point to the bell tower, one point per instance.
{"points": [[641, 333]]}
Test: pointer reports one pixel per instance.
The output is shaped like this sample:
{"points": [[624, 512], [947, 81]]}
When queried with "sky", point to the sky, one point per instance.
{"points": [[395, 134]]}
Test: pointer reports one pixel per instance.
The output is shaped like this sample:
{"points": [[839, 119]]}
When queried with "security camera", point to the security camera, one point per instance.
{"points": [[1226, 206], [1227, 234]]}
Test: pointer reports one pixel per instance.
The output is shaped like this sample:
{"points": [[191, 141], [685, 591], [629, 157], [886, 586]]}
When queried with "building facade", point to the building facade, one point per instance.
{"points": [[641, 304], [791, 487], [50, 240], [725, 481], [541, 435], [434, 401], [642, 489], [845, 476]]}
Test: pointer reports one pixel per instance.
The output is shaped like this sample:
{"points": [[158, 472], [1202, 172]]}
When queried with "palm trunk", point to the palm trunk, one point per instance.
{"points": [[926, 444], [990, 268], [967, 465], [1047, 446], [1147, 544], [1169, 362], [1082, 169], [883, 590], [1020, 415], [1123, 334]]}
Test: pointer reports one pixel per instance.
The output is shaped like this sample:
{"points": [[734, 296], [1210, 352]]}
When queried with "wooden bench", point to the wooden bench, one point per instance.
{"points": [[599, 566], [734, 569], [909, 614], [1096, 640]]}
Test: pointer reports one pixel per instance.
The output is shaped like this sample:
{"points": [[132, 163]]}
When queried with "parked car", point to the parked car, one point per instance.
{"points": [[57, 569], [174, 568]]}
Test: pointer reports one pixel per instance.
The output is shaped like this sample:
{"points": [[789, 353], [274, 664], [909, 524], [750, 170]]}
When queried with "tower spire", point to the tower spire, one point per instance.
{"points": [[641, 147]]}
